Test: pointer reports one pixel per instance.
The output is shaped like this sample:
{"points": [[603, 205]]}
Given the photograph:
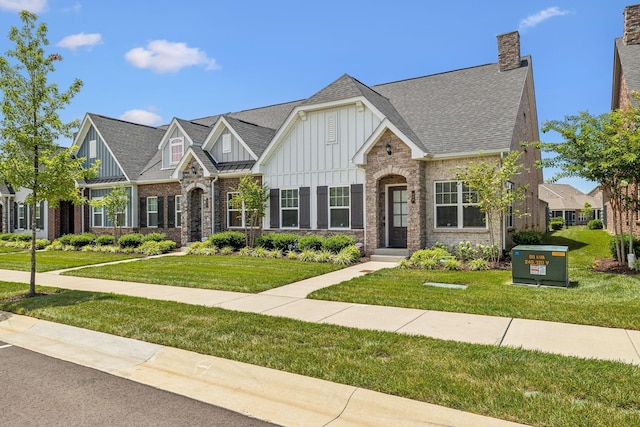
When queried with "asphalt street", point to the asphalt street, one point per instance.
{"points": [[37, 390]]}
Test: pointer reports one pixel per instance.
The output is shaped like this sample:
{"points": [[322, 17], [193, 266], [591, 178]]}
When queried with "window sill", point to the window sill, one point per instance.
{"points": [[459, 230]]}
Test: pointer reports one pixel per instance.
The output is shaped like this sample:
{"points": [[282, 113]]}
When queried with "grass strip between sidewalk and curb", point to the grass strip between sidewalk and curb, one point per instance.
{"points": [[512, 384]]}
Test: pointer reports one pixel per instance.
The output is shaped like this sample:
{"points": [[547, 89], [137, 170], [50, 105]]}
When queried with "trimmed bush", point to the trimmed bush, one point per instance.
{"points": [[436, 254], [22, 237], [452, 264], [235, 239], [311, 242], [265, 240], [6, 236], [595, 224], [636, 245], [105, 240], [154, 237], [152, 247], [337, 243], [347, 255], [478, 264], [65, 240], [527, 237], [81, 240], [285, 241], [557, 223], [464, 251], [132, 240]]}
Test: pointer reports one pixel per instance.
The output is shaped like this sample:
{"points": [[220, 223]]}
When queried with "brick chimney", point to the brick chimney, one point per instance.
{"points": [[509, 51], [631, 25]]}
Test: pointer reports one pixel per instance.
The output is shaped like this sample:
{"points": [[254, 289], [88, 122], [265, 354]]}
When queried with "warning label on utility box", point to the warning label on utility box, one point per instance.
{"points": [[539, 270]]}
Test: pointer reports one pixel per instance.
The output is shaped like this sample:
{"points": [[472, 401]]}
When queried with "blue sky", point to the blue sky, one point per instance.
{"points": [[148, 61]]}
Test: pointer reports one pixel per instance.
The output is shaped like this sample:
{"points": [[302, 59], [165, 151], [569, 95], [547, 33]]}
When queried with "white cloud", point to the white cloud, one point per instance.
{"points": [[35, 6], [80, 40], [142, 117], [543, 15], [73, 9], [163, 56]]}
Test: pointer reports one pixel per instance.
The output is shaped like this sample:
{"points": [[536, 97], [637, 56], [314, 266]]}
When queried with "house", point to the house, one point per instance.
{"points": [[568, 202], [374, 162], [626, 80]]}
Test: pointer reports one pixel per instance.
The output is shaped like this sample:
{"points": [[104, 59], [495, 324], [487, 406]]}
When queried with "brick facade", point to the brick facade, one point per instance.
{"points": [[161, 190]]}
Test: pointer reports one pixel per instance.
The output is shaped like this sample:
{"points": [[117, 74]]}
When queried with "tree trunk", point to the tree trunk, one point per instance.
{"points": [[32, 280]]}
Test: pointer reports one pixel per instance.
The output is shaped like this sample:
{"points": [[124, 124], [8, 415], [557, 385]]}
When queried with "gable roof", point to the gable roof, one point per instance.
{"points": [[256, 137], [132, 144], [629, 56], [567, 197], [196, 131]]}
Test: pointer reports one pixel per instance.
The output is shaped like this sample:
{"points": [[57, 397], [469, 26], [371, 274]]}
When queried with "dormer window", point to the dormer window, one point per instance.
{"points": [[177, 149]]}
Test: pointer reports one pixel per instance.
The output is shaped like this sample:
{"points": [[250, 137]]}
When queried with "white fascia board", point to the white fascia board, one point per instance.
{"points": [[185, 158], [82, 132], [174, 125], [218, 129], [294, 116], [213, 135], [360, 158], [468, 154]]}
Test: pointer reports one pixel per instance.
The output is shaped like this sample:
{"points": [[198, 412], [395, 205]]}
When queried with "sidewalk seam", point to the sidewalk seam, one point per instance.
{"points": [[411, 321], [346, 405], [632, 343], [505, 333]]}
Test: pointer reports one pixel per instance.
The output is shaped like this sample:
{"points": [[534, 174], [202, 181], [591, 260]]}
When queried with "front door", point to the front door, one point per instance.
{"points": [[398, 216], [195, 215]]}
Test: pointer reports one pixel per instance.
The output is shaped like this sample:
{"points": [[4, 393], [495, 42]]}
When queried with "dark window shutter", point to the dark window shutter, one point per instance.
{"points": [[171, 211], [323, 207], [143, 212], [305, 207], [160, 212], [274, 208], [357, 211], [15, 215], [40, 224]]}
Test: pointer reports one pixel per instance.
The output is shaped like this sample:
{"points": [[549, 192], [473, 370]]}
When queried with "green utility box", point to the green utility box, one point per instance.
{"points": [[541, 265]]}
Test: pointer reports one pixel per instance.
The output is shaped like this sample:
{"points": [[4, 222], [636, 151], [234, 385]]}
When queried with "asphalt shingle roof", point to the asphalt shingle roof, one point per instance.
{"points": [[196, 131], [630, 63], [567, 197], [256, 137]]}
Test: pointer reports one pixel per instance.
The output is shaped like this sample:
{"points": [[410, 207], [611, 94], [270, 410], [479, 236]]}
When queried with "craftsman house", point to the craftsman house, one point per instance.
{"points": [[375, 162], [626, 80]]}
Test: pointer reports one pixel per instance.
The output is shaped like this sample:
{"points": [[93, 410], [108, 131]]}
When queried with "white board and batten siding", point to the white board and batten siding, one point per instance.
{"points": [[227, 148], [318, 150]]}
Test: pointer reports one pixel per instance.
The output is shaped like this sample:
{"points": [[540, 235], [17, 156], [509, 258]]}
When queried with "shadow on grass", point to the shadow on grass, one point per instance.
{"points": [[54, 299], [551, 239]]}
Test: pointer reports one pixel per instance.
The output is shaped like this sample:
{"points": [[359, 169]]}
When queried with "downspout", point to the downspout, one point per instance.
{"points": [[82, 189], [502, 219], [213, 204]]}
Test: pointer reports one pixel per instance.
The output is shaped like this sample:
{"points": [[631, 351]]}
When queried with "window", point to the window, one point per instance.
{"points": [[226, 143], [339, 207], [289, 208], [121, 218], [97, 214], [92, 149], [457, 206], [178, 211], [22, 218], [152, 211], [235, 216], [582, 217], [177, 146], [38, 213]]}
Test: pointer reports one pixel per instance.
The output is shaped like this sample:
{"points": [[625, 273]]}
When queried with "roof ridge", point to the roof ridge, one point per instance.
{"points": [[436, 74], [249, 109], [228, 116], [123, 121]]}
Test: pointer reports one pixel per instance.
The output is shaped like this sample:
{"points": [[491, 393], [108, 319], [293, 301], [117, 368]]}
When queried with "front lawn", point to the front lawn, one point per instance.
{"points": [[55, 260], [594, 299], [227, 273], [512, 384]]}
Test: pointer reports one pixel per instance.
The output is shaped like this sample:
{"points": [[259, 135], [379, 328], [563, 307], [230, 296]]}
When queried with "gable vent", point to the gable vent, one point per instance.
{"points": [[332, 125]]}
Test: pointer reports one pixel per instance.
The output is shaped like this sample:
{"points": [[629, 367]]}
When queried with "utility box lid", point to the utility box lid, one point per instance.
{"points": [[541, 265]]}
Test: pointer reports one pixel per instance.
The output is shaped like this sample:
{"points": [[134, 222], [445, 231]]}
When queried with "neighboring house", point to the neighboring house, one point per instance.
{"points": [[626, 79], [568, 202], [15, 215], [375, 162]]}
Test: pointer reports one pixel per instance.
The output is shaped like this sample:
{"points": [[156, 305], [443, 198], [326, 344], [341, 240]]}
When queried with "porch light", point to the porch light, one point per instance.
{"points": [[413, 196], [388, 148]]}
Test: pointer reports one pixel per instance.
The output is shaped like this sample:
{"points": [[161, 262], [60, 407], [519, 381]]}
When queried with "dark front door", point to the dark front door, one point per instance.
{"points": [[195, 215], [398, 216]]}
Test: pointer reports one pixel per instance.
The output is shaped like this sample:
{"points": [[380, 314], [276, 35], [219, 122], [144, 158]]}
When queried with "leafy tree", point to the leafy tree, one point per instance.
{"points": [[115, 203], [251, 198], [492, 182], [587, 211], [30, 158]]}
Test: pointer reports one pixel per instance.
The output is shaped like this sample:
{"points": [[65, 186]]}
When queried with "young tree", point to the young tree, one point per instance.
{"points": [[115, 204], [30, 158], [587, 211], [251, 198], [492, 183]]}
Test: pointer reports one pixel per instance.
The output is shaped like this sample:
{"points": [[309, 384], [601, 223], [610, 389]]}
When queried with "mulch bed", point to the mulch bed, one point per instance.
{"points": [[609, 265]]}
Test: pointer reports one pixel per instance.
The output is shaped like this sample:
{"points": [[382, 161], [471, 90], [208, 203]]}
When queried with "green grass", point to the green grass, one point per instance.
{"points": [[7, 249], [594, 299], [228, 273], [56, 260], [512, 384]]}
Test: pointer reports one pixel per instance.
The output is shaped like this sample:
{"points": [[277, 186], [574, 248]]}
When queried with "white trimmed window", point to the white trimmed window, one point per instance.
{"points": [[22, 216], [339, 213], [97, 215], [38, 214], [457, 206], [226, 143], [178, 211], [177, 149], [152, 211], [92, 149], [289, 208], [235, 216]]}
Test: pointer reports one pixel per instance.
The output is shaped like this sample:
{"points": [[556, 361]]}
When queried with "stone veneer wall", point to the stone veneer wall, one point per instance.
{"points": [[188, 183], [399, 163]]}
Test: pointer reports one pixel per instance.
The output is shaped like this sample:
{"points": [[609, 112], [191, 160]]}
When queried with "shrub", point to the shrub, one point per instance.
{"points": [[65, 240], [351, 251], [478, 264], [464, 251], [636, 245], [557, 223], [489, 252], [105, 240], [152, 247], [274, 253], [6, 236], [42, 244], [437, 254], [132, 240], [22, 237], [595, 224], [452, 264], [310, 242], [527, 237], [226, 250], [285, 241], [307, 255], [260, 252], [235, 239], [84, 239], [266, 240], [337, 243], [154, 237], [323, 256], [246, 251], [404, 264], [429, 264], [292, 255]]}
